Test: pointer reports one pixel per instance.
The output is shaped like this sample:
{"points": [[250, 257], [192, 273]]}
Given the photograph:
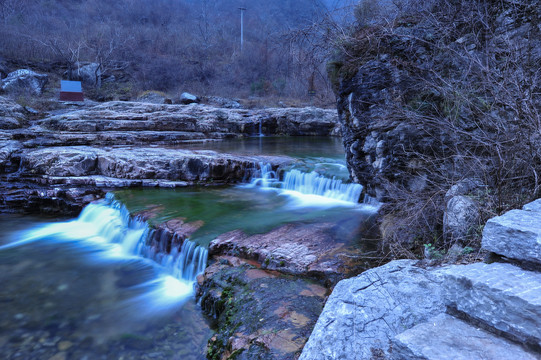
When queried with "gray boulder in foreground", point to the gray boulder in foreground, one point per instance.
{"points": [[447, 338], [515, 234], [364, 313]]}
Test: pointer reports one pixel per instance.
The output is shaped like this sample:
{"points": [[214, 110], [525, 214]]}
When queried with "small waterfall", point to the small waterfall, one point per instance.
{"points": [[264, 176], [109, 224], [184, 263], [315, 184], [307, 184]]}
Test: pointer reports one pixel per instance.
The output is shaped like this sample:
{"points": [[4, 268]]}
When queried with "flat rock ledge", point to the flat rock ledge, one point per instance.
{"points": [[135, 123], [476, 311], [295, 249], [145, 164], [57, 179]]}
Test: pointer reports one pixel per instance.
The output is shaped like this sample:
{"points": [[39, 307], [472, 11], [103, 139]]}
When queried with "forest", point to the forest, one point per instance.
{"points": [[181, 45]]}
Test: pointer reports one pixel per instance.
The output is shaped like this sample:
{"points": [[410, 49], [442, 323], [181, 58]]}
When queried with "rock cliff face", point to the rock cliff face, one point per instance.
{"points": [[434, 97]]}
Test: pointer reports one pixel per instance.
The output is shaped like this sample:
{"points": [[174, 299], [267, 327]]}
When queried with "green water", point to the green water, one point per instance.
{"points": [[250, 209], [297, 147], [322, 154], [227, 209]]}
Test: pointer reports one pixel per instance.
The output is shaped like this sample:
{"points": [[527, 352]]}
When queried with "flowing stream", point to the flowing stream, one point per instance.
{"points": [[93, 285]]}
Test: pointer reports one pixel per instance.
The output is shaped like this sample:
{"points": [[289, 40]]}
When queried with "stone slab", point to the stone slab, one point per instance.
{"points": [[533, 206], [364, 313], [515, 234], [502, 296], [447, 338]]}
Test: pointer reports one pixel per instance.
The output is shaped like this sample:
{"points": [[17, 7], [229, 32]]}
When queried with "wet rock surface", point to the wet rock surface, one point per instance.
{"points": [[259, 313], [79, 146], [296, 249]]}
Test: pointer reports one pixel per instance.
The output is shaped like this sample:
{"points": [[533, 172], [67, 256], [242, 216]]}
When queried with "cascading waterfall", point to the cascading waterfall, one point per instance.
{"points": [[133, 235], [108, 225], [308, 184], [315, 184]]}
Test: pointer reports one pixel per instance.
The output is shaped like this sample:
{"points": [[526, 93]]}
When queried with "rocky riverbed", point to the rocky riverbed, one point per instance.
{"points": [[61, 160], [57, 163]]}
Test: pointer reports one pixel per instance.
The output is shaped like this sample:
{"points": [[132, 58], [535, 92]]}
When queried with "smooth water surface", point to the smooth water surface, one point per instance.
{"points": [[252, 210], [66, 293], [322, 154], [297, 147]]}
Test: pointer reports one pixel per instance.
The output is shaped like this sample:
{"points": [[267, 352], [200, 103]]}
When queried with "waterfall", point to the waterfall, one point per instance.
{"points": [[108, 224], [315, 184], [184, 263], [307, 184]]}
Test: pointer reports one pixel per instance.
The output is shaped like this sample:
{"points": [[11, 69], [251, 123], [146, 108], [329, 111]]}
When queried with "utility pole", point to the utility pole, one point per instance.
{"points": [[242, 10]]}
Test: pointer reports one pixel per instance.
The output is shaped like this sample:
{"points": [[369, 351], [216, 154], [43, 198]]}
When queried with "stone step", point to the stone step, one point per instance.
{"points": [[503, 296], [533, 206], [446, 338], [515, 234]]}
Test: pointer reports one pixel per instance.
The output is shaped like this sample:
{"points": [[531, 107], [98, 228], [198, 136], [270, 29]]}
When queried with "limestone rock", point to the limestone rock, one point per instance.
{"points": [[89, 74], [515, 235], [12, 115], [447, 338], [187, 98], [533, 206], [463, 187], [7, 163], [116, 123], [260, 314], [503, 296], [24, 80], [364, 313], [307, 250], [461, 218], [141, 164]]}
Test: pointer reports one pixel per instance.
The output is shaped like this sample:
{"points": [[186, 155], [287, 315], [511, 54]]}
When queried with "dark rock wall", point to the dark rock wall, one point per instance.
{"points": [[440, 95], [397, 84]]}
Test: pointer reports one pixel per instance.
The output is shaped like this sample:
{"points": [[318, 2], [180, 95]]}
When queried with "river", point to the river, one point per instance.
{"points": [[92, 288]]}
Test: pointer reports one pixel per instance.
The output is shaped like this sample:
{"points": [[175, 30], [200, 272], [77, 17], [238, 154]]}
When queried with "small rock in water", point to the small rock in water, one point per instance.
{"points": [[64, 345], [62, 287], [19, 316]]}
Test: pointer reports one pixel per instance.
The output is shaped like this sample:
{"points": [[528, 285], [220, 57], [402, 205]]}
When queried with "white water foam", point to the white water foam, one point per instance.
{"points": [[309, 189], [107, 226]]}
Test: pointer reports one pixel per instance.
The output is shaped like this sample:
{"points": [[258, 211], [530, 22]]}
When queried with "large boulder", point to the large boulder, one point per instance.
{"points": [[363, 314], [461, 218], [89, 74], [25, 81], [187, 98]]}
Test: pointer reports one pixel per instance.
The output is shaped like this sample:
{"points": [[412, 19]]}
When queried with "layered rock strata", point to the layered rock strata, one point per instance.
{"points": [[402, 311]]}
